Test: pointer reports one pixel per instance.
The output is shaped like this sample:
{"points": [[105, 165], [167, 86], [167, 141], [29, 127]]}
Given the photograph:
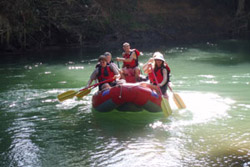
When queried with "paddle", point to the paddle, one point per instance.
{"points": [[83, 92], [177, 99], [164, 102]]}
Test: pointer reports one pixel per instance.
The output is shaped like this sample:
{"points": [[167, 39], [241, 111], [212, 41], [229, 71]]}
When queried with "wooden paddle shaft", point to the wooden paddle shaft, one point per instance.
{"points": [[157, 82]]}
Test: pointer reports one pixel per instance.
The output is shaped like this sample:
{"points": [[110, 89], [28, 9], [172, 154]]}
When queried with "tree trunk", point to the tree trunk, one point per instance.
{"points": [[8, 36], [240, 8], [80, 39], [49, 31], [1, 34], [24, 38]]}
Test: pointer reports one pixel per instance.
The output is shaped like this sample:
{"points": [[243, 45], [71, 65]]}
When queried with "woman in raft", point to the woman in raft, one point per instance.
{"points": [[159, 67]]}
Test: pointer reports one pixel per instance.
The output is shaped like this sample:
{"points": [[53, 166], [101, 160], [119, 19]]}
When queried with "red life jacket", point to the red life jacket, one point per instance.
{"points": [[151, 77], [105, 73], [159, 76], [134, 62]]}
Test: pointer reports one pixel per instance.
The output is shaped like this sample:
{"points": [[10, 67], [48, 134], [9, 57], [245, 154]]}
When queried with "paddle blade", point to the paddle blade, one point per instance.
{"points": [[178, 101], [166, 107], [83, 93], [66, 95]]}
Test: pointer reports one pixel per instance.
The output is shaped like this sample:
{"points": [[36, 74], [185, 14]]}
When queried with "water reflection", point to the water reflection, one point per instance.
{"points": [[23, 151]]}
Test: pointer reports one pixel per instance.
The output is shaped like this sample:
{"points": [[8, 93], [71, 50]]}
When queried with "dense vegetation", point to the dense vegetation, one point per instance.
{"points": [[29, 24]]}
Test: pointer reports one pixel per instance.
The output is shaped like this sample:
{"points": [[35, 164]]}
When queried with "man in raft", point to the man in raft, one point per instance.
{"points": [[130, 62], [158, 65], [103, 72]]}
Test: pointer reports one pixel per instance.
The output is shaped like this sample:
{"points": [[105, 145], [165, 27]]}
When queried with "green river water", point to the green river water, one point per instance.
{"points": [[213, 80]]}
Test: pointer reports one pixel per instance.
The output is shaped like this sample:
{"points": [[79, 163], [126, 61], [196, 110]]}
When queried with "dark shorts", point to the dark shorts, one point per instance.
{"points": [[163, 89], [110, 83]]}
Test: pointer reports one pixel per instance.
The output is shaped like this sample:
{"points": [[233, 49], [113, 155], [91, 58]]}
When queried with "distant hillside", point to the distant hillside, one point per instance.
{"points": [[31, 24]]}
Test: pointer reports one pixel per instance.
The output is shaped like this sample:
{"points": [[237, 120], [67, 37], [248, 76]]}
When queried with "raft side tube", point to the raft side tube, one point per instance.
{"points": [[106, 106], [152, 107], [129, 107]]}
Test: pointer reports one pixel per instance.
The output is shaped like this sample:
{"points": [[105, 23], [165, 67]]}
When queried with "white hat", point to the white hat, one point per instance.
{"points": [[126, 44], [158, 56]]}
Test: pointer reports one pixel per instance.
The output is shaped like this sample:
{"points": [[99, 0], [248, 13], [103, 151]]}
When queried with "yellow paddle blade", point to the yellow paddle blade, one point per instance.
{"points": [[166, 107], [178, 101], [83, 93], [66, 95]]}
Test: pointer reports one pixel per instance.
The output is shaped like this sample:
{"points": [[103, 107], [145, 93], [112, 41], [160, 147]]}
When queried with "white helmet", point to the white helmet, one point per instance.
{"points": [[158, 56]]}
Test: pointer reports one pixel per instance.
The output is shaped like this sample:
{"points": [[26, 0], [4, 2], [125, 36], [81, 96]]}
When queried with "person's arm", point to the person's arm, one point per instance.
{"points": [[165, 77], [92, 77], [146, 68], [115, 66], [116, 72], [148, 65], [131, 57]]}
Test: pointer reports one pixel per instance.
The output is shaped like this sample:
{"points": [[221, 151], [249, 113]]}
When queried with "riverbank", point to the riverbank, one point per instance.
{"points": [[51, 24]]}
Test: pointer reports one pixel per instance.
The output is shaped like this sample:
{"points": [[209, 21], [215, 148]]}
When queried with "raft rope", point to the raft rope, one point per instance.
{"points": [[120, 96]]}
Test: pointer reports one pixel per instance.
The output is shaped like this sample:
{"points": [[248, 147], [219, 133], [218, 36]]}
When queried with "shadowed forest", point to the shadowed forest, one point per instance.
{"points": [[37, 24]]}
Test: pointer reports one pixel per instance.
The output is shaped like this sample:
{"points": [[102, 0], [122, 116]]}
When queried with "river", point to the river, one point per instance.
{"points": [[213, 79]]}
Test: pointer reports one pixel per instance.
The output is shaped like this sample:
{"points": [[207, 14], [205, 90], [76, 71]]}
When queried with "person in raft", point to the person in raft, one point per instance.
{"points": [[130, 62], [158, 65], [103, 72], [110, 61]]}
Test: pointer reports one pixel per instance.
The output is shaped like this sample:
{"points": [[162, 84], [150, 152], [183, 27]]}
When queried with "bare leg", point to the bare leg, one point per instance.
{"points": [[105, 86], [137, 73], [124, 72], [148, 85], [152, 87], [144, 84], [121, 81], [122, 76]]}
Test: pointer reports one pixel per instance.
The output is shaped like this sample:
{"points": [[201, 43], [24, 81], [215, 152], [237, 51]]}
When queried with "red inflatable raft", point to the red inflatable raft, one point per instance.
{"points": [[127, 97]]}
